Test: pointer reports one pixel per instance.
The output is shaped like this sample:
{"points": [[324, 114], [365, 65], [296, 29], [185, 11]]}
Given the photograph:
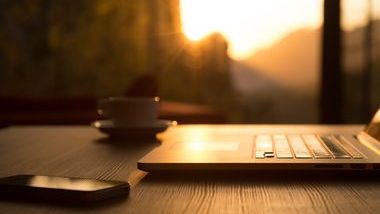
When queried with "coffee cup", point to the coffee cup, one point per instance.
{"points": [[129, 111]]}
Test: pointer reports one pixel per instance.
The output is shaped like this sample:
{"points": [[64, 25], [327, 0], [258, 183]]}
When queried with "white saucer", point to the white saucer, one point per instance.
{"points": [[107, 127]]}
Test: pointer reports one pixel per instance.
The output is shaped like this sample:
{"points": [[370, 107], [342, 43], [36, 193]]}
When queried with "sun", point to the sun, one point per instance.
{"points": [[196, 24]]}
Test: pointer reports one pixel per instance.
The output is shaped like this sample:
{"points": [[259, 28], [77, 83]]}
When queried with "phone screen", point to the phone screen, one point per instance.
{"points": [[62, 188], [79, 184]]}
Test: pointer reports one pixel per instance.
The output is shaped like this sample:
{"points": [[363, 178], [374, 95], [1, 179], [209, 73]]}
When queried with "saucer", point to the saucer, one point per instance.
{"points": [[147, 131]]}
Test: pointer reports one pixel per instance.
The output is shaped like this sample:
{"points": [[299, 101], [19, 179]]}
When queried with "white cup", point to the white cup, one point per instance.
{"points": [[129, 111]]}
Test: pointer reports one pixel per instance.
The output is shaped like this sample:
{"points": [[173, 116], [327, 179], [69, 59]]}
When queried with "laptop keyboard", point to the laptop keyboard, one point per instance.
{"points": [[306, 146]]}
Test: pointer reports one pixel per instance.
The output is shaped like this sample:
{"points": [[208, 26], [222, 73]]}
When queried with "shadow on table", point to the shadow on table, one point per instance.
{"points": [[131, 144], [262, 176], [128, 141]]}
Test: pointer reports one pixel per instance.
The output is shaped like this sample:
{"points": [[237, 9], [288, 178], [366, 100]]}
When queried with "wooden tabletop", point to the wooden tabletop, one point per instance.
{"points": [[82, 151]]}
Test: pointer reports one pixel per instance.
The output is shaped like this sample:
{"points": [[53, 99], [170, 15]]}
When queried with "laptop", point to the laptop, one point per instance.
{"points": [[266, 147]]}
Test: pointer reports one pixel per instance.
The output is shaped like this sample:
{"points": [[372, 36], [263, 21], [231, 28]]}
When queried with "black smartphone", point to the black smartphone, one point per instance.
{"points": [[62, 189]]}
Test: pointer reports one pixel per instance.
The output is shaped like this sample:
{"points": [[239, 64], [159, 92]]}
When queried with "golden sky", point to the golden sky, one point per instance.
{"points": [[251, 25]]}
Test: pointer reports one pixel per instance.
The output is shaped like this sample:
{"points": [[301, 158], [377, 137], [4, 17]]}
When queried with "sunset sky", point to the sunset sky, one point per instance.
{"points": [[251, 25]]}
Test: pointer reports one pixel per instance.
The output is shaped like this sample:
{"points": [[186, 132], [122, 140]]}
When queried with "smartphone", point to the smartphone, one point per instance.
{"points": [[65, 189]]}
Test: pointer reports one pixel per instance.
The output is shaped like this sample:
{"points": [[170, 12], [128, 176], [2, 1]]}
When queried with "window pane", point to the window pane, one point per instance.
{"points": [[361, 43]]}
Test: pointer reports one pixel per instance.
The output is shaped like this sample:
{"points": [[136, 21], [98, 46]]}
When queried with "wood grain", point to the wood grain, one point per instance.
{"points": [[83, 152]]}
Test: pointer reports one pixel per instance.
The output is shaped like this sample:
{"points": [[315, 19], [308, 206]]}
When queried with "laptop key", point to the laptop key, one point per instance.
{"points": [[316, 147], [281, 146], [348, 147], [336, 150], [263, 147], [299, 148]]}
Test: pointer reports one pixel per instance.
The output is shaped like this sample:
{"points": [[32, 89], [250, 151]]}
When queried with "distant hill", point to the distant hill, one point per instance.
{"points": [[264, 101], [294, 62], [276, 85], [247, 80]]}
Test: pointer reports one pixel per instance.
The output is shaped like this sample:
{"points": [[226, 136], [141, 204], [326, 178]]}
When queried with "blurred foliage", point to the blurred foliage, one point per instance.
{"points": [[61, 47], [98, 47]]}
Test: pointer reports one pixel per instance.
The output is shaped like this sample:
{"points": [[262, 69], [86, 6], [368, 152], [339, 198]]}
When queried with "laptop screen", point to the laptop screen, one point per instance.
{"points": [[373, 127]]}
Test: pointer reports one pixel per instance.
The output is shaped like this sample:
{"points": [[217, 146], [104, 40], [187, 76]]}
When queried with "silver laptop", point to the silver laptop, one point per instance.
{"points": [[267, 147]]}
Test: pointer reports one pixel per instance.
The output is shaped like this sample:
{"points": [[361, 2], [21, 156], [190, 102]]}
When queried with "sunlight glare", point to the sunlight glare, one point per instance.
{"points": [[248, 25], [196, 24]]}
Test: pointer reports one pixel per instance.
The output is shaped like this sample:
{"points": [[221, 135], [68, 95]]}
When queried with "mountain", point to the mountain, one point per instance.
{"points": [[293, 62], [264, 101], [276, 85], [247, 80]]}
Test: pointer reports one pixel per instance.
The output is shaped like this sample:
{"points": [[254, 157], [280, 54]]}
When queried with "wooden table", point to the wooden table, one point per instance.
{"points": [[83, 151]]}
